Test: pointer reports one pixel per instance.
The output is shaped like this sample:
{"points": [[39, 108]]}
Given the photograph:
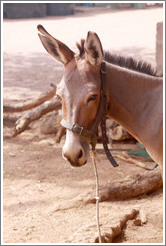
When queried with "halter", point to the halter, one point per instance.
{"points": [[91, 135]]}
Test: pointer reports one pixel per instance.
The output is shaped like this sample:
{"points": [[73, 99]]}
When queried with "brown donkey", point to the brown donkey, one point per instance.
{"points": [[134, 95]]}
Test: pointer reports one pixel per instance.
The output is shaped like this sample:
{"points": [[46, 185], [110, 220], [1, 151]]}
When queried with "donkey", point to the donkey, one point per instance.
{"points": [[133, 89]]}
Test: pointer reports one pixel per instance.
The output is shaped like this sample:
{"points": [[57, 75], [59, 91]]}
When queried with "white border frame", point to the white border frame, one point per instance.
{"points": [[163, 2]]}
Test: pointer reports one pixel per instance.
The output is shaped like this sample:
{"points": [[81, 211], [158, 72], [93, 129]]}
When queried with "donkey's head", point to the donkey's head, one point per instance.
{"points": [[79, 89]]}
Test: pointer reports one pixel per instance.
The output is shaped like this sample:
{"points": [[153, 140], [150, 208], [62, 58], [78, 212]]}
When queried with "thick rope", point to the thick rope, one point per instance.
{"points": [[93, 156]]}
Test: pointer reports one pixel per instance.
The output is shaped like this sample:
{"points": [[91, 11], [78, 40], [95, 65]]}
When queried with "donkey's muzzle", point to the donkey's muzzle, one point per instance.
{"points": [[76, 161]]}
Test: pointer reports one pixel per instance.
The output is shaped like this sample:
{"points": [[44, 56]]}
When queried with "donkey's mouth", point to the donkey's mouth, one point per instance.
{"points": [[76, 164]]}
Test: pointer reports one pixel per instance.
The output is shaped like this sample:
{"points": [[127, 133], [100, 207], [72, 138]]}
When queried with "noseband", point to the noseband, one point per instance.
{"points": [[91, 135]]}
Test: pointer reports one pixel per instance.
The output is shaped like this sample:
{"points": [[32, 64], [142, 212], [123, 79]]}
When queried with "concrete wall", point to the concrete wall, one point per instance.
{"points": [[35, 10], [60, 8], [159, 48], [24, 10]]}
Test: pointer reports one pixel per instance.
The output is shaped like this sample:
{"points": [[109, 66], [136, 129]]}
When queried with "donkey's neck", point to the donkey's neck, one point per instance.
{"points": [[132, 97]]}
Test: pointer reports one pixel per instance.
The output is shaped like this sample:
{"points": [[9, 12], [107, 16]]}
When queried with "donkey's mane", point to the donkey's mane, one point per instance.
{"points": [[130, 63], [122, 61]]}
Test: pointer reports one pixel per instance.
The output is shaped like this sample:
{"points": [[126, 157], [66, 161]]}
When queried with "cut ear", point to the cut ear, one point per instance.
{"points": [[93, 49], [55, 47]]}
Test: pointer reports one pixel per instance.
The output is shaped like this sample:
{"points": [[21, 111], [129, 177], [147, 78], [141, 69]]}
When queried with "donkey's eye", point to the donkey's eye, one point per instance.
{"points": [[92, 98], [58, 98]]}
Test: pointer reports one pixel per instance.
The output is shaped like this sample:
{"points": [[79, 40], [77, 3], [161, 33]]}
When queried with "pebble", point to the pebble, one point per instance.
{"points": [[12, 154]]}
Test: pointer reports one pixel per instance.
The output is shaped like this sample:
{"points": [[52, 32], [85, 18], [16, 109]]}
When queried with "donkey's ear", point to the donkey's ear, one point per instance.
{"points": [[93, 49], [54, 47]]}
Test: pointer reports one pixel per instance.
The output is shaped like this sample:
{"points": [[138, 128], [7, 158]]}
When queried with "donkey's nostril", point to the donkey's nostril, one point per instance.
{"points": [[80, 154], [65, 156]]}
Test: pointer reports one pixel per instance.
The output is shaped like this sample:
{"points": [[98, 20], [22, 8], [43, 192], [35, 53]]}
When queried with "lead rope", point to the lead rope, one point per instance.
{"points": [[93, 156]]}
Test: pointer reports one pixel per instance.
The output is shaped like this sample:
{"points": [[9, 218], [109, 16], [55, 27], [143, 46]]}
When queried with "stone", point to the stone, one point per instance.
{"points": [[159, 48]]}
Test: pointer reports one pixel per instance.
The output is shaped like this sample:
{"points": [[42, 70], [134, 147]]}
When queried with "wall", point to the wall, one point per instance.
{"points": [[159, 48], [35, 10]]}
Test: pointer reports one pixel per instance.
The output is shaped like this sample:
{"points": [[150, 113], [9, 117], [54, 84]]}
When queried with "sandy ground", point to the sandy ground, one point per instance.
{"points": [[44, 199]]}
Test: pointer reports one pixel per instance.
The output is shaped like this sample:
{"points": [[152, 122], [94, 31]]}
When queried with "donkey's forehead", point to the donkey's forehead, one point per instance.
{"points": [[76, 84], [79, 73]]}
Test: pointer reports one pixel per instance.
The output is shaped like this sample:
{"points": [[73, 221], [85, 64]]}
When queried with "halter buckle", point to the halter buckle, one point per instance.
{"points": [[77, 129], [81, 129]]}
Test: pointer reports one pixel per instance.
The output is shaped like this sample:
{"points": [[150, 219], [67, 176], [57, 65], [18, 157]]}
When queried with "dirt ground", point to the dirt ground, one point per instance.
{"points": [[44, 199]]}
